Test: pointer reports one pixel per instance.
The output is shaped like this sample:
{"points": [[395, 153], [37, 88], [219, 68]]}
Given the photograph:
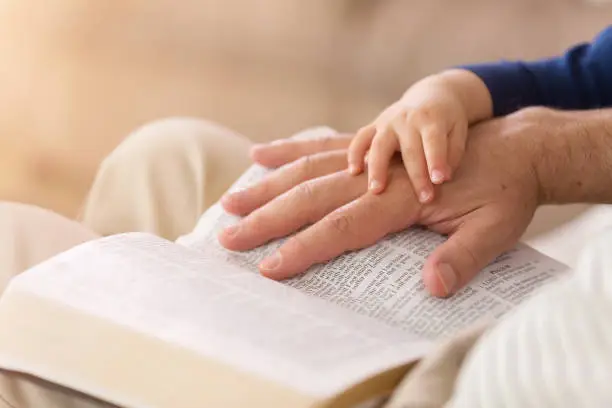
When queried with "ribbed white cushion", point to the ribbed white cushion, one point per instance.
{"points": [[555, 350]]}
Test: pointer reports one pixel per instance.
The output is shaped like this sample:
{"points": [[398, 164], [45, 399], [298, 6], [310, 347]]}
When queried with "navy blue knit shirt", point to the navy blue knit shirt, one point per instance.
{"points": [[579, 79]]}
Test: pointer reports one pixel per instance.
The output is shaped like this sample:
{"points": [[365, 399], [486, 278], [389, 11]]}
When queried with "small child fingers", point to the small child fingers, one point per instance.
{"points": [[414, 161], [359, 147], [435, 146], [384, 146], [456, 146]]}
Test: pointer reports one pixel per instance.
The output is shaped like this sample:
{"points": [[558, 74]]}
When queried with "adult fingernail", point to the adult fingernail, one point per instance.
{"points": [[437, 177], [271, 263], [232, 230], [447, 277], [255, 149], [230, 196], [375, 185], [425, 196], [235, 193]]}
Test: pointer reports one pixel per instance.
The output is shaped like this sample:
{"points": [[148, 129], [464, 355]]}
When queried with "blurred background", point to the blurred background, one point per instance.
{"points": [[76, 76]]}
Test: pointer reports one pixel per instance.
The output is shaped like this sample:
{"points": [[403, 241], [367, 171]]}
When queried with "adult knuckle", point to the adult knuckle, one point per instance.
{"points": [[305, 191], [297, 243], [532, 116], [533, 111], [262, 188], [341, 223], [256, 220], [326, 142], [305, 165]]}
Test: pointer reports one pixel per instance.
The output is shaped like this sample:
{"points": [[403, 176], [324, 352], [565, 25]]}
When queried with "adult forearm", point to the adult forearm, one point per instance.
{"points": [[574, 163]]}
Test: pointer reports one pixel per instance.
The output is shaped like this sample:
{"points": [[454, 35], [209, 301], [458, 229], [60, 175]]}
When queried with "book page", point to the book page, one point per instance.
{"points": [[172, 293], [384, 281]]}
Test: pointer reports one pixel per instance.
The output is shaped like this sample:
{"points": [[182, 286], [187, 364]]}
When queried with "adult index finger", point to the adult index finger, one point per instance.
{"points": [[285, 151], [356, 225], [245, 201], [302, 205]]}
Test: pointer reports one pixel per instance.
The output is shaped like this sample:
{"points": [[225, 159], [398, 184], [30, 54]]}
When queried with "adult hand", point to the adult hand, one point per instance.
{"points": [[285, 151], [484, 210]]}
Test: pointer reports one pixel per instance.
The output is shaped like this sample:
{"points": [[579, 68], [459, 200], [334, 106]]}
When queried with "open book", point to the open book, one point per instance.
{"points": [[141, 322]]}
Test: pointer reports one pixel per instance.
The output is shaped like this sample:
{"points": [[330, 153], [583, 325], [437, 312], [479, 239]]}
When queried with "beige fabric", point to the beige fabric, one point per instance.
{"points": [[159, 180], [163, 177], [30, 234], [430, 384]]}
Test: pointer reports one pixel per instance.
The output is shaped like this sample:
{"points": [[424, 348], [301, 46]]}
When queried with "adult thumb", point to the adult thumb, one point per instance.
{"points": [[476, 243]]}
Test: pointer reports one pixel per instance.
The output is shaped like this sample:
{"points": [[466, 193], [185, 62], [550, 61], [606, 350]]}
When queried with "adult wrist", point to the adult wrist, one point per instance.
{"points": [[572, 154]]}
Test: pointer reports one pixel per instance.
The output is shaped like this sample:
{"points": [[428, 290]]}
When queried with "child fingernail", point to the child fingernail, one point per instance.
{"points": [[437, 177], [375, 185], [353, 169]]}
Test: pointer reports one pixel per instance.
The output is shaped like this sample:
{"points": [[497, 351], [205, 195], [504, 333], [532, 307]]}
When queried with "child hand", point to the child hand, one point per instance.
{"points": [[428, 125]]}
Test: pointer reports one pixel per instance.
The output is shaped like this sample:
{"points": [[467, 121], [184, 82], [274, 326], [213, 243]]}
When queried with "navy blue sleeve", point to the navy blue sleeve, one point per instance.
{"points": [[579, 79]]}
